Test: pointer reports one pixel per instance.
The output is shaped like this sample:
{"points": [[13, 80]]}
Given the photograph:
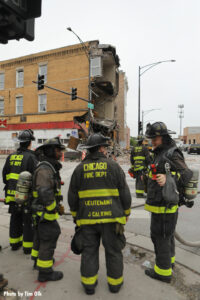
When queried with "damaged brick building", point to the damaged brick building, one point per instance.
{"points": [[50, 113]]}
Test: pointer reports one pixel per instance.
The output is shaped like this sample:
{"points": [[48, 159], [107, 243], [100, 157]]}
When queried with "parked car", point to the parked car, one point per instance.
{"points": [[193, 148]]}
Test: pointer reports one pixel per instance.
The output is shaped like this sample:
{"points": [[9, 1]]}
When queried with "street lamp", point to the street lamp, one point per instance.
{"points": [[87, 53], [145, 112], [140, 73]]}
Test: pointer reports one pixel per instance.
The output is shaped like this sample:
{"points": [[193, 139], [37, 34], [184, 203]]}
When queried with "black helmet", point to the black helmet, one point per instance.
{"points": [[55, 142], [95, 140], [26, 136], [156, 129]]}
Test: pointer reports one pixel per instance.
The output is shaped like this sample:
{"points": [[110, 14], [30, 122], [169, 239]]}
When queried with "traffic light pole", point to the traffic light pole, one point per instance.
{"points": [[66, 93]]}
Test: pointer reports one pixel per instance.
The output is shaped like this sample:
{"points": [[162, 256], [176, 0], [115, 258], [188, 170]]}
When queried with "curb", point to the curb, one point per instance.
{"points": [[185, 258]]}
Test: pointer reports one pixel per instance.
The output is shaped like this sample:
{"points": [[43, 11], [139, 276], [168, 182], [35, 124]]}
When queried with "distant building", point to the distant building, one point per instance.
{"points": [[50, 113], [191, 135], [121, 113]]}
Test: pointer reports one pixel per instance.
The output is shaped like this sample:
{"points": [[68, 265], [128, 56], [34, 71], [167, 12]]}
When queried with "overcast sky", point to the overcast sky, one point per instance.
{"points": [[143, 32]]}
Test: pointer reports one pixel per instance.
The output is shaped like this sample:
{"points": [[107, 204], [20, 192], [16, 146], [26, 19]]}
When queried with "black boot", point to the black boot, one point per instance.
{"points": [[27, 250], [16, 246], [90, 291], [52, 276], [114, 288], [151, 273]]}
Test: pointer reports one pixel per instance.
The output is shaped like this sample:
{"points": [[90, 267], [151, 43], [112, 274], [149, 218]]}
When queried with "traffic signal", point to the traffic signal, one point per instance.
{"points": [[40, 83], [74, 94], [140, 126], [17, 19]]}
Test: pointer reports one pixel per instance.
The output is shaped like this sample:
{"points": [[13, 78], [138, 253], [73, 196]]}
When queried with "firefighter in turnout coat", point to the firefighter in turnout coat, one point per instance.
{"points": [[163, 217], [21, 229], [46, 206], [100, 203]]}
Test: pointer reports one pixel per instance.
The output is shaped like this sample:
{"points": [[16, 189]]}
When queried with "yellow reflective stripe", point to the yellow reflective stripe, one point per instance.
{"points": [[140, 191], [80, 222], [127, 212], [16, 240], [58, 193], [139, 168], [49, 217], [161, 209], [139, 157], [173, 259], [51, 206], [12, 176], [35, 194], [10, 192], [163, 272], [89, 280], [34, 253], [113, 281], [73, 213], [44, 263], [27, 244], [9, 199], [98, 193]]}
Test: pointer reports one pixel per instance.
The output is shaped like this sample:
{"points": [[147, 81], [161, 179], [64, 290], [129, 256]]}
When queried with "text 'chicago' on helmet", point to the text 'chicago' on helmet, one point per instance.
{"points": [[26, 136], [53, 142], [156, 129], [95, 140]]}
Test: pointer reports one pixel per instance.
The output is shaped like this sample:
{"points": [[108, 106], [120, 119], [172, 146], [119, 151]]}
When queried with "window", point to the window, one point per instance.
{"points": [[42, 105], [2, 79], [1, 106], [20, 78], [194, 141], [96, 69], [19, 105], [43, 71]]}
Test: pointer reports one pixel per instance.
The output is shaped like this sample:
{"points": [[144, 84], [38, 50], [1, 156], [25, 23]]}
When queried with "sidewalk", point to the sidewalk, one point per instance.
{"points": [[17, 268]]}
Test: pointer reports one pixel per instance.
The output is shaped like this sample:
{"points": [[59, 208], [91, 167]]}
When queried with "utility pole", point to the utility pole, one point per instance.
{"points": [[181, 116]]}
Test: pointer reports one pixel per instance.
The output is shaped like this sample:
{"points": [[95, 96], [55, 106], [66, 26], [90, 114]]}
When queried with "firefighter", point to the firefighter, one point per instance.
{"points": [[24, 159], [140, 158], [163, 219], [100, 202], [46, 206]]}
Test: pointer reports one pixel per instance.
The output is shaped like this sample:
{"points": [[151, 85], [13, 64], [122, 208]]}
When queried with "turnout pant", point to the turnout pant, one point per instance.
{"points": [[162, 235], [21, 228], [139, 184], [46, 234], [113, 244]]}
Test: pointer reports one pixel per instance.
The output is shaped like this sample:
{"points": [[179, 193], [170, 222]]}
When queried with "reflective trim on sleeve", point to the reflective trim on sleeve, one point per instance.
{"points": [[48, 217], [139, 157], [9, 199], [35, 194], [139, 168], [113, 281], [12, 176], [52, 206], [98, 193], [163, 272], [127, 212], [140, 191], [27, 244], [89, 280], [73, 213], [173, 259], [16, 240], [161, 209], [34, 253], [10, 192], [44, 263], [121, 220]]}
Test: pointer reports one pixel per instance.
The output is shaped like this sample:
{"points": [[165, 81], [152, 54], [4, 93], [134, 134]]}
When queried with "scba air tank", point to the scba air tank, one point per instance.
{"points": [[191, 189], [23, 187]]}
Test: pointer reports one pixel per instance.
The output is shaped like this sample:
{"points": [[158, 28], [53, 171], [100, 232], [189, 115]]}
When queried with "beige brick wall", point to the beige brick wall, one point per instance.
{"points": [[66, 67]]}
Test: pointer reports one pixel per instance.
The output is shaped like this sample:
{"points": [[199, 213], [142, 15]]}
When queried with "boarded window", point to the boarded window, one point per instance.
{"points": [[42, 103], [19, 105], [96, 68]]}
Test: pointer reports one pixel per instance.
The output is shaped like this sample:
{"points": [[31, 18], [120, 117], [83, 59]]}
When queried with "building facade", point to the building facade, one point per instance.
{"points": [[191, 135], [50, 113], [120, 111]]}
